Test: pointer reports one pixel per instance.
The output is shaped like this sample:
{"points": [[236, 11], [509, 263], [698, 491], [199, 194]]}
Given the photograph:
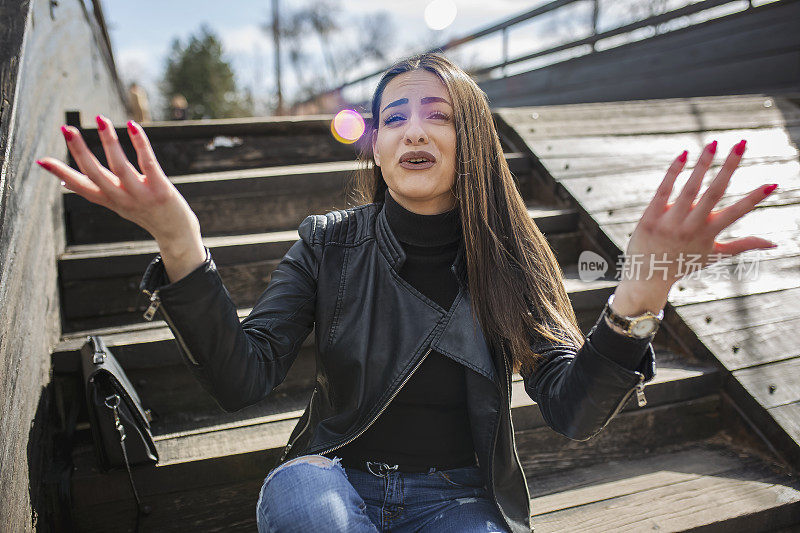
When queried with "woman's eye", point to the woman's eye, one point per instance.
{"points": [[435, 114]]}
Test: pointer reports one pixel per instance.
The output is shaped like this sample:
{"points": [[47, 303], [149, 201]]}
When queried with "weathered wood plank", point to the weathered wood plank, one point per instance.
{"points": [[745, 347], [772, 275], [631, 475], [92, 487], [88, 262], [637, 188], [225, 508], [543, 451], [749, 498], [678, 115], [732, 314], [647, 150], [785, 194], [752, 105], [136, 345], [772, 384], [630, 206], [777, 223], [181, 405], [212, 150], [788, 416]]}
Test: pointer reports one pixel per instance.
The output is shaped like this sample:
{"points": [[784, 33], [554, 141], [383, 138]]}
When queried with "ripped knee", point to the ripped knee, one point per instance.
{"points": [[312, 459]]}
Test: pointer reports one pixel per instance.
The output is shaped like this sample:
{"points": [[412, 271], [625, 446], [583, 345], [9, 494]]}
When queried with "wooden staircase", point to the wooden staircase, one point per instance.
{"points": [[685, 461]]}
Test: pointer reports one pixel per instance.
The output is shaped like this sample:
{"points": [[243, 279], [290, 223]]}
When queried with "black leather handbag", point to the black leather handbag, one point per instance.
{"points": [[120, 425]]}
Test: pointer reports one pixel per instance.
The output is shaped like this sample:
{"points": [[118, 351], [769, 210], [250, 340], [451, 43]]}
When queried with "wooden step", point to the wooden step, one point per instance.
{"points": [[100, 283], [228, 454], [729, 490], [194, 146], [241, 201]]}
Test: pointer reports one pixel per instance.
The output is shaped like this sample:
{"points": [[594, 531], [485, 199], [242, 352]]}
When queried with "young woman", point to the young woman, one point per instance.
{"points": [[424, 301]]}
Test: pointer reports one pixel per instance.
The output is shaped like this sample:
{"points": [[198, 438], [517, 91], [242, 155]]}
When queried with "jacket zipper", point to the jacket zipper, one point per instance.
{"points": [[354, 437], [511, 423], [640, 398], [155, 303], [308, 422], [494, 442]]}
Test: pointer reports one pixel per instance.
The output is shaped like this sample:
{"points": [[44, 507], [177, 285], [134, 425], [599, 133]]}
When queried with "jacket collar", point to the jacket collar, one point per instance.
{"points": [[392, 250]]}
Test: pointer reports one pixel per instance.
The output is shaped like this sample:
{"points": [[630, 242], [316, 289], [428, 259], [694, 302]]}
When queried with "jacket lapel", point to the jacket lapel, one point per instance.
{"points": [[462, 339]]}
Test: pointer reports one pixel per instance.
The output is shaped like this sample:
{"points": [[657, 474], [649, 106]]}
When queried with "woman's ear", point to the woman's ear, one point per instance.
{"points": [[375, 154]]}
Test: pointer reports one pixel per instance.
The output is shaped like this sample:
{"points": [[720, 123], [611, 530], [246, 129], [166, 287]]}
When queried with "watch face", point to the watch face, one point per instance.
{"points": [[644, 327]]}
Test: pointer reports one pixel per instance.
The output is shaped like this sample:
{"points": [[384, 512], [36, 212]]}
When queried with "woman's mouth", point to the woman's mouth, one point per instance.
{"points": [[417, 160], [416, 165]]}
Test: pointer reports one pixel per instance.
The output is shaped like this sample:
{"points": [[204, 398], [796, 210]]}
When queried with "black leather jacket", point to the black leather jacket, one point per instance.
{"points": [[373, 329]]}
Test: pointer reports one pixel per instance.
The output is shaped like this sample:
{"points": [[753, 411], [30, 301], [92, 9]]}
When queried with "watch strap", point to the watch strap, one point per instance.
{"points": [[626, 323]]}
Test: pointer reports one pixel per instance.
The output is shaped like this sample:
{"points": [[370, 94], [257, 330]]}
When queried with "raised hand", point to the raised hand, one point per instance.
{"points": [[669, 232], [146, 198]]}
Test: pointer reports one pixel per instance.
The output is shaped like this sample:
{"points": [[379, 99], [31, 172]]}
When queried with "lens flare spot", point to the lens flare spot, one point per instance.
{"points": [[439, 14], [347, 126]]}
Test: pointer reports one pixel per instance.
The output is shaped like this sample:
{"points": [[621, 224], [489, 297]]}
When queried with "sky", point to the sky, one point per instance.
{"points": [[141, 33]]}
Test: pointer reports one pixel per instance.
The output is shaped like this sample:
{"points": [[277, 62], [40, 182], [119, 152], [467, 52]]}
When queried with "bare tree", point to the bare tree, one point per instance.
{"points": [[341, 49]]}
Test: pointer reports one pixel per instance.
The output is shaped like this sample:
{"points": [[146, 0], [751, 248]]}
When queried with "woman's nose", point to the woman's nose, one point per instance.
{"points": [[415, 134]]}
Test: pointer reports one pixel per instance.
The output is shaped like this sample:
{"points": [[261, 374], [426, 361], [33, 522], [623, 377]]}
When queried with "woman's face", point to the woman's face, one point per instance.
{"points": [[415, 144]]}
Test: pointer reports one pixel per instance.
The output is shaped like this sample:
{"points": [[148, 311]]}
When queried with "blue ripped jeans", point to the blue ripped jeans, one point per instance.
{"points": [[314, 493]]}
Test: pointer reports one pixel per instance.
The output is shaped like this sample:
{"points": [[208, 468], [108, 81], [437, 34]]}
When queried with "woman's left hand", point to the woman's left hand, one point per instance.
{"points": [[669, 235]]}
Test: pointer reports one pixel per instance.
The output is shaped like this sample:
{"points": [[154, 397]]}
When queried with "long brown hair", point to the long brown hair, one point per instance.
{"points": [[516, 284]]}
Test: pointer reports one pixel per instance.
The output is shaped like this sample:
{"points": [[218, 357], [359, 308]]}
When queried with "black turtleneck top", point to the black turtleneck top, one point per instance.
{"points": [[427, 423]]}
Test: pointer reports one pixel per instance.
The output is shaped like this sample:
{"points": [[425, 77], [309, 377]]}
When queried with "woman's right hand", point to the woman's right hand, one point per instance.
{"points": [[147, 198]]}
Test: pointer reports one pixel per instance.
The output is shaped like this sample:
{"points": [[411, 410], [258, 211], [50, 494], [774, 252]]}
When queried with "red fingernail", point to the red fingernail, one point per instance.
{"points": [[45, 165], [132, 128], [769, 188], [713, 147], [67, 134], [682, 157], [739, 148], [100, 124]]}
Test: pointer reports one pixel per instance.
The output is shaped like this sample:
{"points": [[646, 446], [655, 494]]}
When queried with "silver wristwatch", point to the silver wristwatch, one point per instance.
{"points": [[639, 327]]}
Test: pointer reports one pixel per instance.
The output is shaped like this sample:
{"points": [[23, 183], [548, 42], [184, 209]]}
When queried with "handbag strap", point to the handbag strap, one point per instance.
{"points": [[112, 402]]}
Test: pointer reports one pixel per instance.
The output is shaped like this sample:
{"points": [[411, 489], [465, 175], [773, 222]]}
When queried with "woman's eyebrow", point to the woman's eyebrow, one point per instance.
{"points": [[426, 100]]}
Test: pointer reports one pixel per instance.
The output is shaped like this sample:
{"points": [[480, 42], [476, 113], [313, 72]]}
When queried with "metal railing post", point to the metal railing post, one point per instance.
{"points": [[505, 50]]}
